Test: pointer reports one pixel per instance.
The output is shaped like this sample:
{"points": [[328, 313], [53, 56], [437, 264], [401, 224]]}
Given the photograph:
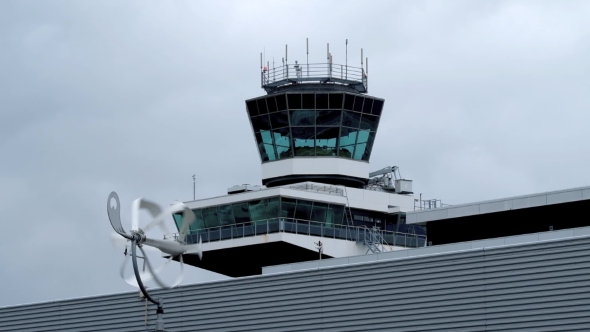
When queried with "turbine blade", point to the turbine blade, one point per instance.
{"points": [[114, 212], [188, 217]]}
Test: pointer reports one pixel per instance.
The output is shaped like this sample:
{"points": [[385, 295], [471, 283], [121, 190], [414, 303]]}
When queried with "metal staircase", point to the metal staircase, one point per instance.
{"points": [[374, 240]]}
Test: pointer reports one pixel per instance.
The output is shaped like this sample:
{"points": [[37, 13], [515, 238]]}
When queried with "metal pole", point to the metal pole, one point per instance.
{"points": [[307, 48], [194, 188], [346, 77]]}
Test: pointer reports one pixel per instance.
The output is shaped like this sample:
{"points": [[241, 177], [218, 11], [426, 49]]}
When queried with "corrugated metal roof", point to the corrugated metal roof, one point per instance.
{"points": [[543, 286]]}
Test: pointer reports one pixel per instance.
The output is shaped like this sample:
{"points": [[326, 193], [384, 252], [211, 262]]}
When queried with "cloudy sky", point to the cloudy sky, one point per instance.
{"points": [[483, 100]]}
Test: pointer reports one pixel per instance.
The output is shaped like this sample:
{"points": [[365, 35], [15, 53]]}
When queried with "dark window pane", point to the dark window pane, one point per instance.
{"points": [[252, 107], [319, 211], [346, 151], [287, 207], [369, 122], [257, 210], [302, 118], [348, 136], [377, 107], [321, 100], [210, 217], [261, 148], [326, 139], [335, 215], [294, 101], [336, 100], [199, 222], [351, 119], [367, 105], [262, 106], [271, 104], [281, 102], [303, 209], [261, 122], [282, 138], [369, 147], [303, 140], [272, 207], [241, 212], [358, 103], [328, 118], [225, 214], [308, 100], [348, 102], [347, 142], [279, 119]]}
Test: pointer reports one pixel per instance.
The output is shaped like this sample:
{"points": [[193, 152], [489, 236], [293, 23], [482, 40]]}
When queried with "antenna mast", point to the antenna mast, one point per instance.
{"points": [[194, 187]]}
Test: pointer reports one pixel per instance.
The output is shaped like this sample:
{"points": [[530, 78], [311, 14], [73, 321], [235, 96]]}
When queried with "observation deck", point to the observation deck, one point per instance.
{"points": [[313, 77]]}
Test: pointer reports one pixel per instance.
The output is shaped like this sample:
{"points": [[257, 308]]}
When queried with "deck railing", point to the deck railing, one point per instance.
{"points": [[304, 227]]}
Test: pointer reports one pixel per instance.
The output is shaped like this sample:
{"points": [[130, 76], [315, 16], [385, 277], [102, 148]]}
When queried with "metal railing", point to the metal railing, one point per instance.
{"points": [[304, 227], [288, 73]]}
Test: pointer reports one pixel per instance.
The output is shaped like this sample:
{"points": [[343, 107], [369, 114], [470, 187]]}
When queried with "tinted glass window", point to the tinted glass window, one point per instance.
{"points": [[261, 147], [321, 100], [369, 122], [287, 207], [369, 147], [262, 106], [282, 138], [199, 222], [303, 140], [257, 210], [281, 102], [272, 207], [177, 220], [348, 102], [261, 122], [308, 101], [210, 217], [347, 141], [271, 104], [336, 100], [377, 107], [351, 119], [358, 104], [225, 214], [335, 215], [252, 107], [303, 209], [326, 140], [328, 117], [367, 105], [279, 119], [302, 118], [294, 101], [241, 212], [319, 211]]}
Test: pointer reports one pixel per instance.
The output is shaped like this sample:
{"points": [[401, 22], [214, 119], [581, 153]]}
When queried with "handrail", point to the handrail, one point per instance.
{"points": [[313, 72], [301, 226]]}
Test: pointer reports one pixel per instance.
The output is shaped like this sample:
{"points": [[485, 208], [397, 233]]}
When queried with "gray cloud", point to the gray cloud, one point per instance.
{"points": [[483, 100]]}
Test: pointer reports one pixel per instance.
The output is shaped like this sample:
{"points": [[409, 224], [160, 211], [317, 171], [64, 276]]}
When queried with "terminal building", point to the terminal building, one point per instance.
{"points": [[326, 242]]}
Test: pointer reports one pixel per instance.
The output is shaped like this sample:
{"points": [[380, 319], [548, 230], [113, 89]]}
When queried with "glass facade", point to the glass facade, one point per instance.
{"points": [[264, 209], [315, 124], [261, 210]]}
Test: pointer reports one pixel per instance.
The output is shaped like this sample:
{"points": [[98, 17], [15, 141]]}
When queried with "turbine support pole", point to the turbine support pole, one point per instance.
{"points": [[159, 302]]}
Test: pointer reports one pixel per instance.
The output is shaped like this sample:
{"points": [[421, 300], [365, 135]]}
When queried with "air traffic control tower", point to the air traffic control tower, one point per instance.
{"points": [[314, 131]]}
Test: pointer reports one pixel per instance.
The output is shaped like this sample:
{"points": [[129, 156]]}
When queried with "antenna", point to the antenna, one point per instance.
{"points": [[138, 238], [307, 48], [287, 60], [346, 76], [194, 187]]}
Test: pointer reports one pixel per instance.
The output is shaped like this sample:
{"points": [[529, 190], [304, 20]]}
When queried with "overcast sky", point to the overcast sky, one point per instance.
{"points": [[483, 100]]}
